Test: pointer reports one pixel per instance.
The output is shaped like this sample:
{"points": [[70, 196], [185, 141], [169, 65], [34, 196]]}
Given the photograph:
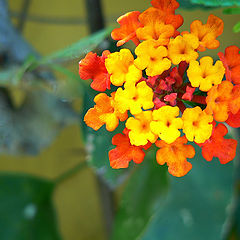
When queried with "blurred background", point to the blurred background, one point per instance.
{"points": [[47, 191]]}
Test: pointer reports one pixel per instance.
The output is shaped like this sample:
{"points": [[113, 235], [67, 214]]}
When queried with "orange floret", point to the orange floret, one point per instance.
{"points": [[104, 112], [197, 125], [124, 152], [93, 67], [121, 67], [182, 48], [207, 33], [234, 120], [129, 23], [205, 74], [221, 99], [152, 57], [218, 146], [175, 155], [231, 62], [167, 6], [154, 27], [140, 132]]}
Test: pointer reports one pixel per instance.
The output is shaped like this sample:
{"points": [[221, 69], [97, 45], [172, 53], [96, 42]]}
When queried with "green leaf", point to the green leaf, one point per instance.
{"points": [[98, 143], [231, 11], [236, 27], [196, 205], [26, 209], [143, 195], [217, 3], [78, 49]]}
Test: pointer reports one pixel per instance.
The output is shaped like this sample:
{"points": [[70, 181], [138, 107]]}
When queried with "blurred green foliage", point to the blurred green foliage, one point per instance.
{"points": [[26, 208]]}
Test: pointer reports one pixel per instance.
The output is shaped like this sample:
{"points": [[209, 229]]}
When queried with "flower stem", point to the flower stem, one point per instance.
{"points": [[71, 172]]}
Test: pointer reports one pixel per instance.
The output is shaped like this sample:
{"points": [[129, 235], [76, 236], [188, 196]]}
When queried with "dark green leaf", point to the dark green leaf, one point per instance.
{"points": [[98, 143], [236, 27], [231, 11], [26, 209], [143, 195], [217, 3], [196, 206], [78, 49]]}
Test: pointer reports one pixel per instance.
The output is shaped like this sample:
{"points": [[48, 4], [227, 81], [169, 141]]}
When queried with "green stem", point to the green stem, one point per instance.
{"points": [[71, 172]]}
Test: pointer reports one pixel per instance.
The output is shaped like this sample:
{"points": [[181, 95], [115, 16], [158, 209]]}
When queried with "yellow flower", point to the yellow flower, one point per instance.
{"points": [[182, 48], [205, 74], [140, 132], [121, 67], [152, 57], [133, 98], [166, 123], [197, 124]]}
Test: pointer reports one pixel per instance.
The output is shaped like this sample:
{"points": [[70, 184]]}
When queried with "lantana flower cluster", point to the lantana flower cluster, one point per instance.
{"points": [[167, 95]]}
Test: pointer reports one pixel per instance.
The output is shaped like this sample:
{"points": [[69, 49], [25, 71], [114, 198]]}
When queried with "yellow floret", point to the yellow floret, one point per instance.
{"points": [[152, 57], [121, 67], [140, 132], [134, 98], [182, 48], [166, 123], [205, 74], [197, 125]]}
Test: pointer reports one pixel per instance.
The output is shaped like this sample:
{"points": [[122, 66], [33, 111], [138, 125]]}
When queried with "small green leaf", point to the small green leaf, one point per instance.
{"points": [[78, 49], [231, 11], [236, 27], [143, 195], [26, 208], [217, 3], [98, 143]]}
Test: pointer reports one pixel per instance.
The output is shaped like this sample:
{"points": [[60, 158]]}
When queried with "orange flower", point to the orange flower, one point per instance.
{"points": [[207, 33], [175, 155], [124, 152], [104, 112], [231, 62], [222, 99], [93, 67], [129, 23], [167, 6], [234, 120], [154, 26], [217, 101], [182, 48], [218, 146]]}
